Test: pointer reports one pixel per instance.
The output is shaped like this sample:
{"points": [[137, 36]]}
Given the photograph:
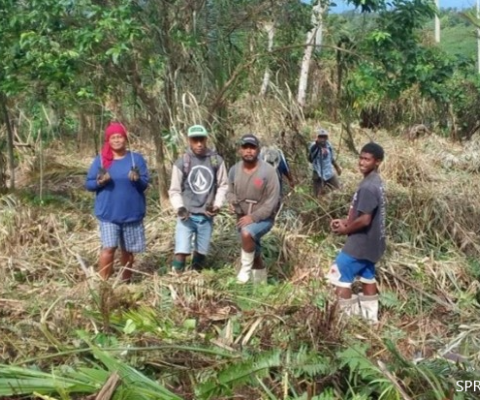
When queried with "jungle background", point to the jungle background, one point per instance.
{"points": [[279, 69]]}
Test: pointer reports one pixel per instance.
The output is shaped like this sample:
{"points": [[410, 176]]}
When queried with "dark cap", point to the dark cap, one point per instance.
{"points": [[249, 139]]}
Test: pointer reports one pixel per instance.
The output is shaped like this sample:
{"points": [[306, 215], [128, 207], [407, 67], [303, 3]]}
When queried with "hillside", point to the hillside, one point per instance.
{"points": [[458, 35]]}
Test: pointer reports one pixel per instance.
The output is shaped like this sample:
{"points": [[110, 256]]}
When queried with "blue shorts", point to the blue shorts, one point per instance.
{"points": [[257, 230], [195, 232], [130, 236], [347, 268]]}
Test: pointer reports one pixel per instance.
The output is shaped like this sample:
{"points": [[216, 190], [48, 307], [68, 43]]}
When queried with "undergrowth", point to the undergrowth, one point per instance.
{"points": [[66, 335]]}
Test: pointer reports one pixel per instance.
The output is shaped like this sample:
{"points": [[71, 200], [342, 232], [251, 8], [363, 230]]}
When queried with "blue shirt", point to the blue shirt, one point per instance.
{"points": [[272, 155], [323, 161], [120, 200], [282, 170]]}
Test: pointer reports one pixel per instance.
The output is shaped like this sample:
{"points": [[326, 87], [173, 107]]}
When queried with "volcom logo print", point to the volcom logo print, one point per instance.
{"points": [[200, 179]]}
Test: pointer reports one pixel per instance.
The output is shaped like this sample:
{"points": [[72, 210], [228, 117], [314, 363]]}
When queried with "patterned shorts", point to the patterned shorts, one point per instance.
{"points": [[129, 236]]}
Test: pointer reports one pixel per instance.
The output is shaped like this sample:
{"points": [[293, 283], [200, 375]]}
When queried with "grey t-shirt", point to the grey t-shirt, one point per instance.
{"points": [[202, 186], [262, 186], [369, 243]]}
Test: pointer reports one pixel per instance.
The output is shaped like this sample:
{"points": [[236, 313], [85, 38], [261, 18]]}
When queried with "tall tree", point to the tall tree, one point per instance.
{"points": [[318, 10], [269, 28], [315, 35]]}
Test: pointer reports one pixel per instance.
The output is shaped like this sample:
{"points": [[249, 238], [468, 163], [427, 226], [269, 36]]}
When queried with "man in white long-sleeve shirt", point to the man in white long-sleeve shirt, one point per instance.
{"points": [[197, 192]]}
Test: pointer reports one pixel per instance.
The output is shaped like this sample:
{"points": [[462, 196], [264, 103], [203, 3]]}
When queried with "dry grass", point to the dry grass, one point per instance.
{"points": [[49, 288]]}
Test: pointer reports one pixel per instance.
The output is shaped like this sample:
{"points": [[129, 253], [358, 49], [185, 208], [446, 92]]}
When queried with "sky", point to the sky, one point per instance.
{"points": [[341, 4]]}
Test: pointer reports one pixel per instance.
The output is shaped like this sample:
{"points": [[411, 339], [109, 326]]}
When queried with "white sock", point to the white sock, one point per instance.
{"points": [[369, 306], [247, 264], [349, 307]]}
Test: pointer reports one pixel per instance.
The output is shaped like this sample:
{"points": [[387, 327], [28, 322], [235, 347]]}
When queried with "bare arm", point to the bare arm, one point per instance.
{"points": [[346, 228]]}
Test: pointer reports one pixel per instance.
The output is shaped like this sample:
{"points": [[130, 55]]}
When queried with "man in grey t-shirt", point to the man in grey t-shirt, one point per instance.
{"points": [[253, 194], [365, 245]]}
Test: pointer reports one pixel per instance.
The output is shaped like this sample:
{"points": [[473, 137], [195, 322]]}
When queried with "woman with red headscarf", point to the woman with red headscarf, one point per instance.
{"points": [[119, 178]]}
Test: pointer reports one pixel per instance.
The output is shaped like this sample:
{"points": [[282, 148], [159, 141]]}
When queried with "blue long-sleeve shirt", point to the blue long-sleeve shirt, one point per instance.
{"points": [[322, 160], [120, 200]]}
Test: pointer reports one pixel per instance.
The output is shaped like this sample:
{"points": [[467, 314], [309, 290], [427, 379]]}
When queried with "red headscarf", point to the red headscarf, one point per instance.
{"points": [[107, 153]]}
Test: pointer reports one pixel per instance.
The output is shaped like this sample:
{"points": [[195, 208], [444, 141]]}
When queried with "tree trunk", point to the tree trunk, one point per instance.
{"points": [[82, 133], [158, 121], [219, 122], [160, 163], [11, 156], [349, 141], [478, 36], [314, 34], [164, 111], [343, 45], [270, 29], [3, 167]]}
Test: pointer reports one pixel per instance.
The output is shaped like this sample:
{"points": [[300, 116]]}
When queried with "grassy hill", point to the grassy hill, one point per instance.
{"points": [[458, 36]]}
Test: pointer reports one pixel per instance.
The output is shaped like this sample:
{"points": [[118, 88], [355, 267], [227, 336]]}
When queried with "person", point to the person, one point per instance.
{"points": [[119, 178], [322, 157], [275, 157], [197, 192], [253, 195], [365, 245]]}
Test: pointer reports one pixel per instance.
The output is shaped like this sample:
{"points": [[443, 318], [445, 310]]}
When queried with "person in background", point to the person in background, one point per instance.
{"points": [[119, 178], [322, 157], [275, 157]]}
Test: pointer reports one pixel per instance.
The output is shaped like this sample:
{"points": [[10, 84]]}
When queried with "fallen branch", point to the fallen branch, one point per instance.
{"points": [[109, 388], [423, 292], [392, 379]]}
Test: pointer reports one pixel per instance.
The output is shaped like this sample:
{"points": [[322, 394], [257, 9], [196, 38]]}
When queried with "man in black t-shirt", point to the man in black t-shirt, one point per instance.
{"points": [[365, 245]]}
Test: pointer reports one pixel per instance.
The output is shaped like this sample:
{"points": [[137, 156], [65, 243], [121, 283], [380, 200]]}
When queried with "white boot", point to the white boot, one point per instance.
{"points": [[349, 307], [369, 306], [259, 275], [246, 269]]}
